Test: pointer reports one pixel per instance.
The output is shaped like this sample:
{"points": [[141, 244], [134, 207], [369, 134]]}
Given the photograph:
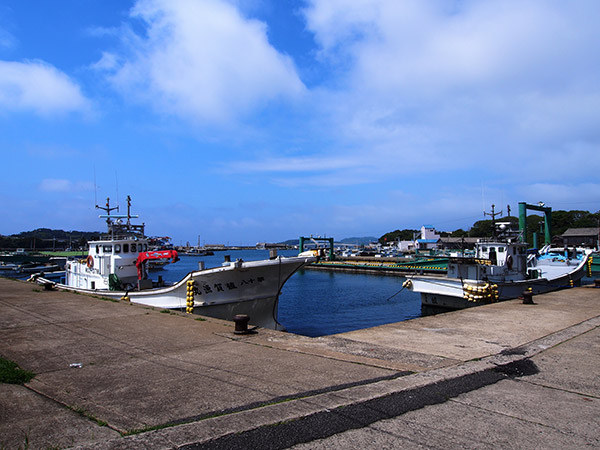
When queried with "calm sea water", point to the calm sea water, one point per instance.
{"points": [[317, 303]]}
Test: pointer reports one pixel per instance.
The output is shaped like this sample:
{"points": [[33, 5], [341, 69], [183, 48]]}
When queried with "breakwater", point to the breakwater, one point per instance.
{"points": [[389, 266]]}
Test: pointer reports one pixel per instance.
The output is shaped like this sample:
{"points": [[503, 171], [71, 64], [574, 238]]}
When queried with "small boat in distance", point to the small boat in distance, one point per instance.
{"points": [[501, 269], [117, 267]]}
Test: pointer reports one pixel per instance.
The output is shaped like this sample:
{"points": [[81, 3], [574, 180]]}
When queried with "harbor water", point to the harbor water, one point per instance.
{"points": [[317, 302]]}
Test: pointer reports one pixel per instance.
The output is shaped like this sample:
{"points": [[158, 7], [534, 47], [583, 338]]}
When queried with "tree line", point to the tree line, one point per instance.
{"points": [[561, 221], [47, 239]]}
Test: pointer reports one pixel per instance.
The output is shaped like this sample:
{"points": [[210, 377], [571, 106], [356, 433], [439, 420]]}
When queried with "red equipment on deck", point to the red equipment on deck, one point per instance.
{"points": [[157, 254]]}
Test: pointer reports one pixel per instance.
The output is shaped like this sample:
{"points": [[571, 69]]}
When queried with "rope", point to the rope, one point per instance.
{"points": [[389, 298], [276, 302]]}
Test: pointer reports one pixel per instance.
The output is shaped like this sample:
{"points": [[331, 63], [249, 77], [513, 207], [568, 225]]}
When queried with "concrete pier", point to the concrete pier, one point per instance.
{"points": [[113, 375]]}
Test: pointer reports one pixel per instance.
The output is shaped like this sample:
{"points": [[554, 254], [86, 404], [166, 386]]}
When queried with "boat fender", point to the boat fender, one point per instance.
{"points": [[89, 261], [509, 262]]}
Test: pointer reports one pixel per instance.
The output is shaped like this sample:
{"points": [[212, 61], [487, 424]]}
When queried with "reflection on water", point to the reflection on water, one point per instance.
{"points": [[317, 302]]}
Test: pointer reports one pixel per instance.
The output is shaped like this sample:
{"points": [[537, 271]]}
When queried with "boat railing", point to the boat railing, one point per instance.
{"points": [[124, 231]]}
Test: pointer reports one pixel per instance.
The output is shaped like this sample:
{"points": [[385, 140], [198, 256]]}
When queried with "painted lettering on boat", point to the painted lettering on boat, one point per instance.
{"points": [[221, 287]]}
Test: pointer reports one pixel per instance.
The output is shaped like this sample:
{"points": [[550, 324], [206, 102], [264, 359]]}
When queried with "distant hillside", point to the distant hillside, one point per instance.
{"points": [[358, 240], [47, 239], [351, 240]]}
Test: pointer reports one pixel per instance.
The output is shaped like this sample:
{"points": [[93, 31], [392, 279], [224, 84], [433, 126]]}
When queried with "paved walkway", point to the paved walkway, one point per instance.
{"points": [[508, 374]]}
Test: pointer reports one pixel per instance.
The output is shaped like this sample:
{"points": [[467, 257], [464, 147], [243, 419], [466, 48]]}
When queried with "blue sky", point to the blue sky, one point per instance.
{"points": [[262, 120]]}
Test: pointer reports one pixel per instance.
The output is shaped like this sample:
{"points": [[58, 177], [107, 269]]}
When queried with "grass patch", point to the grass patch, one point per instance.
{"points": [[200, 319], [87, 415], [11, 373]]}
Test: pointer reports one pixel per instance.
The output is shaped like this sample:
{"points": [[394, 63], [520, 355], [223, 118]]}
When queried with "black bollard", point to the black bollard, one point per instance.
{"points": [[528, 298], [597, 282], [241, 323]]}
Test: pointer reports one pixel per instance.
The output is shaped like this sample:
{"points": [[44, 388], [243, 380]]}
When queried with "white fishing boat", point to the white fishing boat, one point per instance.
{"points": [[117, 267], [501, 269]]}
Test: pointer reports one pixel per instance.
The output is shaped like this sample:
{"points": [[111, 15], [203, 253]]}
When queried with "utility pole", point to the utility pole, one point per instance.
{"points": [[493, 215]]}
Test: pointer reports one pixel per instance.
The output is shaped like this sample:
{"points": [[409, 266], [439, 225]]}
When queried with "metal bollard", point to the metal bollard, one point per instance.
{"points": [[241, 323], [528, 298], [273, 253], [597, 282]]}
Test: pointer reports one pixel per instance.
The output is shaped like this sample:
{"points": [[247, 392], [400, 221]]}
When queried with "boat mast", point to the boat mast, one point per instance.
{"points": [[108, 209], [493, 215], [128, 212]]}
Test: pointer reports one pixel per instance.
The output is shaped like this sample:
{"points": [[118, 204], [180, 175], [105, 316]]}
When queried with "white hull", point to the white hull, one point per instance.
{"points": [[250, 288], [454, 293]]}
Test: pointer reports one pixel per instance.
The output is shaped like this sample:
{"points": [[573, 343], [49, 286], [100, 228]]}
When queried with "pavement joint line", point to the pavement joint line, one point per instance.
{"points": [[392, 398], [356, 355], [279, 400], [72, 407], [554, 388]]}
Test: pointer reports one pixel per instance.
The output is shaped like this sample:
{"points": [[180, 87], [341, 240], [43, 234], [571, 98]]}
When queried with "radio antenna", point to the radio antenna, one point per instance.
{"points": [[117, 184], [95, 188], [493, 215]]}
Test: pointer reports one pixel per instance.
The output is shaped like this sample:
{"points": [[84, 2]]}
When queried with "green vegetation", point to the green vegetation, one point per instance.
{"points": [[11, 373], [561, 221], [47, 239], [398, 235], [87, 415], [80, 253]]}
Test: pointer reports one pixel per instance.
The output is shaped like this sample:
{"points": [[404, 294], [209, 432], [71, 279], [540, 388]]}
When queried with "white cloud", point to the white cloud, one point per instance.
{"points": [[6, 39], [445, 85], [108, 61], [564, 193], [292, 164], [38, 87], [203, 61], [63, 185]]}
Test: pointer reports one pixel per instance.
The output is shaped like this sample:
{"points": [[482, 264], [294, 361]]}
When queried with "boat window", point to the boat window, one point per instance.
{"points": [[145, 247], [500, 249], [125, 248], [117, 248], [107, 249], [484, 249], [97, 249], [133, 248]]}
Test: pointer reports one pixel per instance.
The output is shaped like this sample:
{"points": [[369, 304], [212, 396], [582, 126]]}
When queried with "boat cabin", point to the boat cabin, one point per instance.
{"points": [[493, 260], [111, 261]]}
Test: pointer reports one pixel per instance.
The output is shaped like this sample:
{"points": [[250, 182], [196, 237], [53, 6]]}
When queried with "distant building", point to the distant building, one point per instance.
{"points": [[586, 237], [215, 247], [428, 233], [457, 243], [406, 246], [429, 239]]}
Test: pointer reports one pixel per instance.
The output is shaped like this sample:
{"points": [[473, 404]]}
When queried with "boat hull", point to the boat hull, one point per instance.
{"points": [[250, 288], [453, 293]]}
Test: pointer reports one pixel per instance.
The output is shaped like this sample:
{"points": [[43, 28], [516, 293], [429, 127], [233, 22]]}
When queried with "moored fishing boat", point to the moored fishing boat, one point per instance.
{"points": [[117, 267], [499, 270]]}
